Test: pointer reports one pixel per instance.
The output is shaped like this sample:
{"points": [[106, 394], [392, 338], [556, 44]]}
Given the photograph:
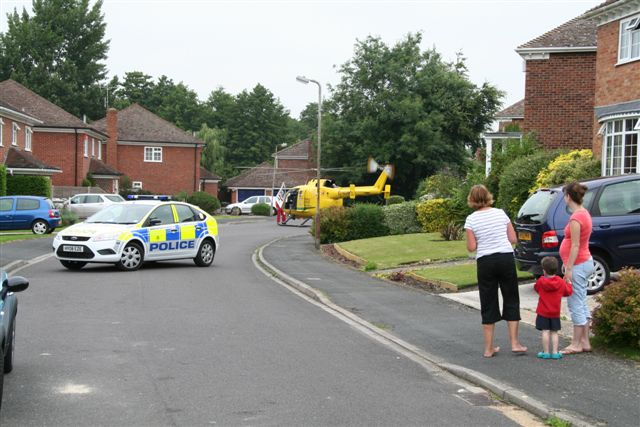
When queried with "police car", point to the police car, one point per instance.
{"points": [[129, 233]]}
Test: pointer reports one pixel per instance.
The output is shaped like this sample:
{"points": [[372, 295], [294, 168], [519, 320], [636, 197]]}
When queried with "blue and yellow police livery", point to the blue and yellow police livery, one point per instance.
{"points": [[127, 234]]}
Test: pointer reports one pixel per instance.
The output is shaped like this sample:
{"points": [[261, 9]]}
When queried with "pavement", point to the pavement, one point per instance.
{"points": [[589, 389]]}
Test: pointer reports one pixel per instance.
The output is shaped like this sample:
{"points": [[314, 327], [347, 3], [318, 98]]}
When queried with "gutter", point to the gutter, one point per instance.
{"points": [[75, 159]]}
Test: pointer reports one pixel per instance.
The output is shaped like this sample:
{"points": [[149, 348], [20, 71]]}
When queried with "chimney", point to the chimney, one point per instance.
{"points": [[111, 157]]}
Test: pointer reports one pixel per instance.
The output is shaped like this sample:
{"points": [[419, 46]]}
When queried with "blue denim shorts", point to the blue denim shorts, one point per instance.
{"points": [[577, 302]]}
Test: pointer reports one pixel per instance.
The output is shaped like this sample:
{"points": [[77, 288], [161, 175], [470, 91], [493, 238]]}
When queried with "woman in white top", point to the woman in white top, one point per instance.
{"points": [[491, 234]]}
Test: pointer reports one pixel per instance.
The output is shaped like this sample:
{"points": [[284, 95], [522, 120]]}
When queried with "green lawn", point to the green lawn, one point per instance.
{"points": [[395, 251], [20, 235], [461, 275]]}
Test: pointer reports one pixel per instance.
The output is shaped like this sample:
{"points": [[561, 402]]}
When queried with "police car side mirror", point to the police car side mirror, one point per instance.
{"points": [[201, 217], [154, 221]]}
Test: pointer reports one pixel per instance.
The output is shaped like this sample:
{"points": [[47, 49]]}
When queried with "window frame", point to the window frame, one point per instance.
{"points": [[625, 41], [28, 138], [14, 133], [1, 132], [613, 140], [86, 146], [136, 185], [99, 150], [153, 154]]}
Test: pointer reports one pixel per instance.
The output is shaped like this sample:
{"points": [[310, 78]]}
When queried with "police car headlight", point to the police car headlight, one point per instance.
{"points": [[58, 237], [107, 236]]}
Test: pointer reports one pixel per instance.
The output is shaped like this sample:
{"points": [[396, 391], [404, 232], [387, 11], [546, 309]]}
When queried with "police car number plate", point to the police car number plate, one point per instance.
{"points": [[68, 248]]}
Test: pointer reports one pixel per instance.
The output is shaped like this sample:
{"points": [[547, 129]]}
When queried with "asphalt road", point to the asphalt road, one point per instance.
{"points": [[177, 345]]}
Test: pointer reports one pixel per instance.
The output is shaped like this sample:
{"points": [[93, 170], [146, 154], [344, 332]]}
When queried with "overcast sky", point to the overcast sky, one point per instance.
{"points": [[237, 44]]}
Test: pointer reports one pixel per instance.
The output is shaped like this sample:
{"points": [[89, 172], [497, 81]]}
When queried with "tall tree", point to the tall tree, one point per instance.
{"points": [[407, 107], [213, 154], [58, 52], [257, 125], [220, 105]]}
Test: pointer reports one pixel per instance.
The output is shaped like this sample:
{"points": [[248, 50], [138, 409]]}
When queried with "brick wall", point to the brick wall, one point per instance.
{"points": [[178, 171], [559, 99], [211, 188], [614, 83], [7, 136], [59, 150], [305, 173]]}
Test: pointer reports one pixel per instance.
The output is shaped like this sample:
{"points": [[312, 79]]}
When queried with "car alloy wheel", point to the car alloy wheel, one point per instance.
{"points": [[236, 211], [599, 277], [205, 254], [132, 257], [40, 227]]}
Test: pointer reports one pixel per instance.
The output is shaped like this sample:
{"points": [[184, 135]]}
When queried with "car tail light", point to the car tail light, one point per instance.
{"points": [[53, 213], [549, 239]]}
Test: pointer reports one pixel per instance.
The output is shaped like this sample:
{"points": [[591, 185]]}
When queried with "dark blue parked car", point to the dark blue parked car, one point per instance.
{"points": [[614, 204], [8, 312], [28, 212]]}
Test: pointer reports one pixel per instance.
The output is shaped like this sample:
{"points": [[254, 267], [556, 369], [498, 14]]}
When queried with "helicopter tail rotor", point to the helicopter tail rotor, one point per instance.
{"points": [[373, 166]]}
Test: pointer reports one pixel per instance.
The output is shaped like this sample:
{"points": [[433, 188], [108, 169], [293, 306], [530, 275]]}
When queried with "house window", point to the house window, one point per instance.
{"points": [[100, 149], [93, 147], [629, 49], [27, 139], [86, 146], [153, 154], [14, 134], [136, 185], [620, 153], [1, 131]]}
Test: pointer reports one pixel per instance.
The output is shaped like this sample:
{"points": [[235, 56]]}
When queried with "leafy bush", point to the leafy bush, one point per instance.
{"points": [[617, 319], [504, 154], [518, 177], [181, 196], [370, 266], [572, 166], [441, 185], [3, 180], [204, 201], [452, 231], [401, 218], [67, 217], [334, 225], [29, 186], [365, 221], [475, 176], [394, 200], [434, 214], [261, 209]]}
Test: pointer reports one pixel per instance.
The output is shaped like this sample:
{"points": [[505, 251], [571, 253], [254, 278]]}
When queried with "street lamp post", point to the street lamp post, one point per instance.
{"points": [[305, 80]]}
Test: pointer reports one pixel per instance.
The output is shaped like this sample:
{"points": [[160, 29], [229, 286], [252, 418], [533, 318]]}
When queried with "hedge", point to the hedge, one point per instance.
{"points": [[262, 209], [435, 214], [360, 221], [29, 186], [573, 166], [3, 180], [401, 218], [204, 201]]}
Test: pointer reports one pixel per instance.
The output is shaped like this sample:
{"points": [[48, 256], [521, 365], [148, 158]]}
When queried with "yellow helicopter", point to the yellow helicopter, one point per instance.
{"points": [[301, 201]]}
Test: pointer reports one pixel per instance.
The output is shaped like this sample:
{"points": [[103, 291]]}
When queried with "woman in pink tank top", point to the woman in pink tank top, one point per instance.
{"points": [[577, 265]]}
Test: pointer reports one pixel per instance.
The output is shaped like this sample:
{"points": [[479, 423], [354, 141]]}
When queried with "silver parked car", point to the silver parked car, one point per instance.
{"points": [[85, 205], [244, 207]]}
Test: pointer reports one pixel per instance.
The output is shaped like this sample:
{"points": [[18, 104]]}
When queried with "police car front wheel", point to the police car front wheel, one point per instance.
{"points": [[206, 252], [131, 258]]}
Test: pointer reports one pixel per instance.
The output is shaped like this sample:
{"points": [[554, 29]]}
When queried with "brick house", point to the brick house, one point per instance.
{"points": [[54, 142], [616, 122], [582, 85], [209, 182], [154, 154], [293, 166]]}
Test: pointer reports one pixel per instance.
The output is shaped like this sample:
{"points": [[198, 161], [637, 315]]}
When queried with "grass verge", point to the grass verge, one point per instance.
{"points": [[628, 353], [395, 251], [15, 236], [460, 275]]}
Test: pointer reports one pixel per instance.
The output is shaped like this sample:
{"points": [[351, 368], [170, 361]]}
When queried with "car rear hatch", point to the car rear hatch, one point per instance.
{"points": [[532, 227]]}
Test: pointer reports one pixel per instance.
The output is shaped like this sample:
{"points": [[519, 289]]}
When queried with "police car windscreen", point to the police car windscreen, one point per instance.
{"points": [[120, 214]]}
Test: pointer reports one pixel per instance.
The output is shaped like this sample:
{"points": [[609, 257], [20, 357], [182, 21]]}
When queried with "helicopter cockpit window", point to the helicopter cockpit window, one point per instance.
{"points": [[330, 183]]}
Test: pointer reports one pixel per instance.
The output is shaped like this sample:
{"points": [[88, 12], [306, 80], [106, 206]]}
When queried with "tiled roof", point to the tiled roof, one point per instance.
{"points": [[28, 102], [135, 123], [205, 174], [98, 167], [20, 159], [579, 32], [512, 111], [261, 176], [299, 149]]}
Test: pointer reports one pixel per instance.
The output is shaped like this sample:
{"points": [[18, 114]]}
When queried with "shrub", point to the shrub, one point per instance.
{"points": [[441, 185], [504, 154], [434, 214], [518, 177], [365, 221], [474, 176], [370, 266], [261, 209], [334, 225], [617, 319], [3, 180], [572, 166], [67, 217], [401, 218], [394, 200], [204, 201], [29, 186], [181, 196], [452, 231]]}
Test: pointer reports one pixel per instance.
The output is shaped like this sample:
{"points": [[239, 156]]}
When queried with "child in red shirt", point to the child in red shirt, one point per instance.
{"points": [[551, 288]]}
